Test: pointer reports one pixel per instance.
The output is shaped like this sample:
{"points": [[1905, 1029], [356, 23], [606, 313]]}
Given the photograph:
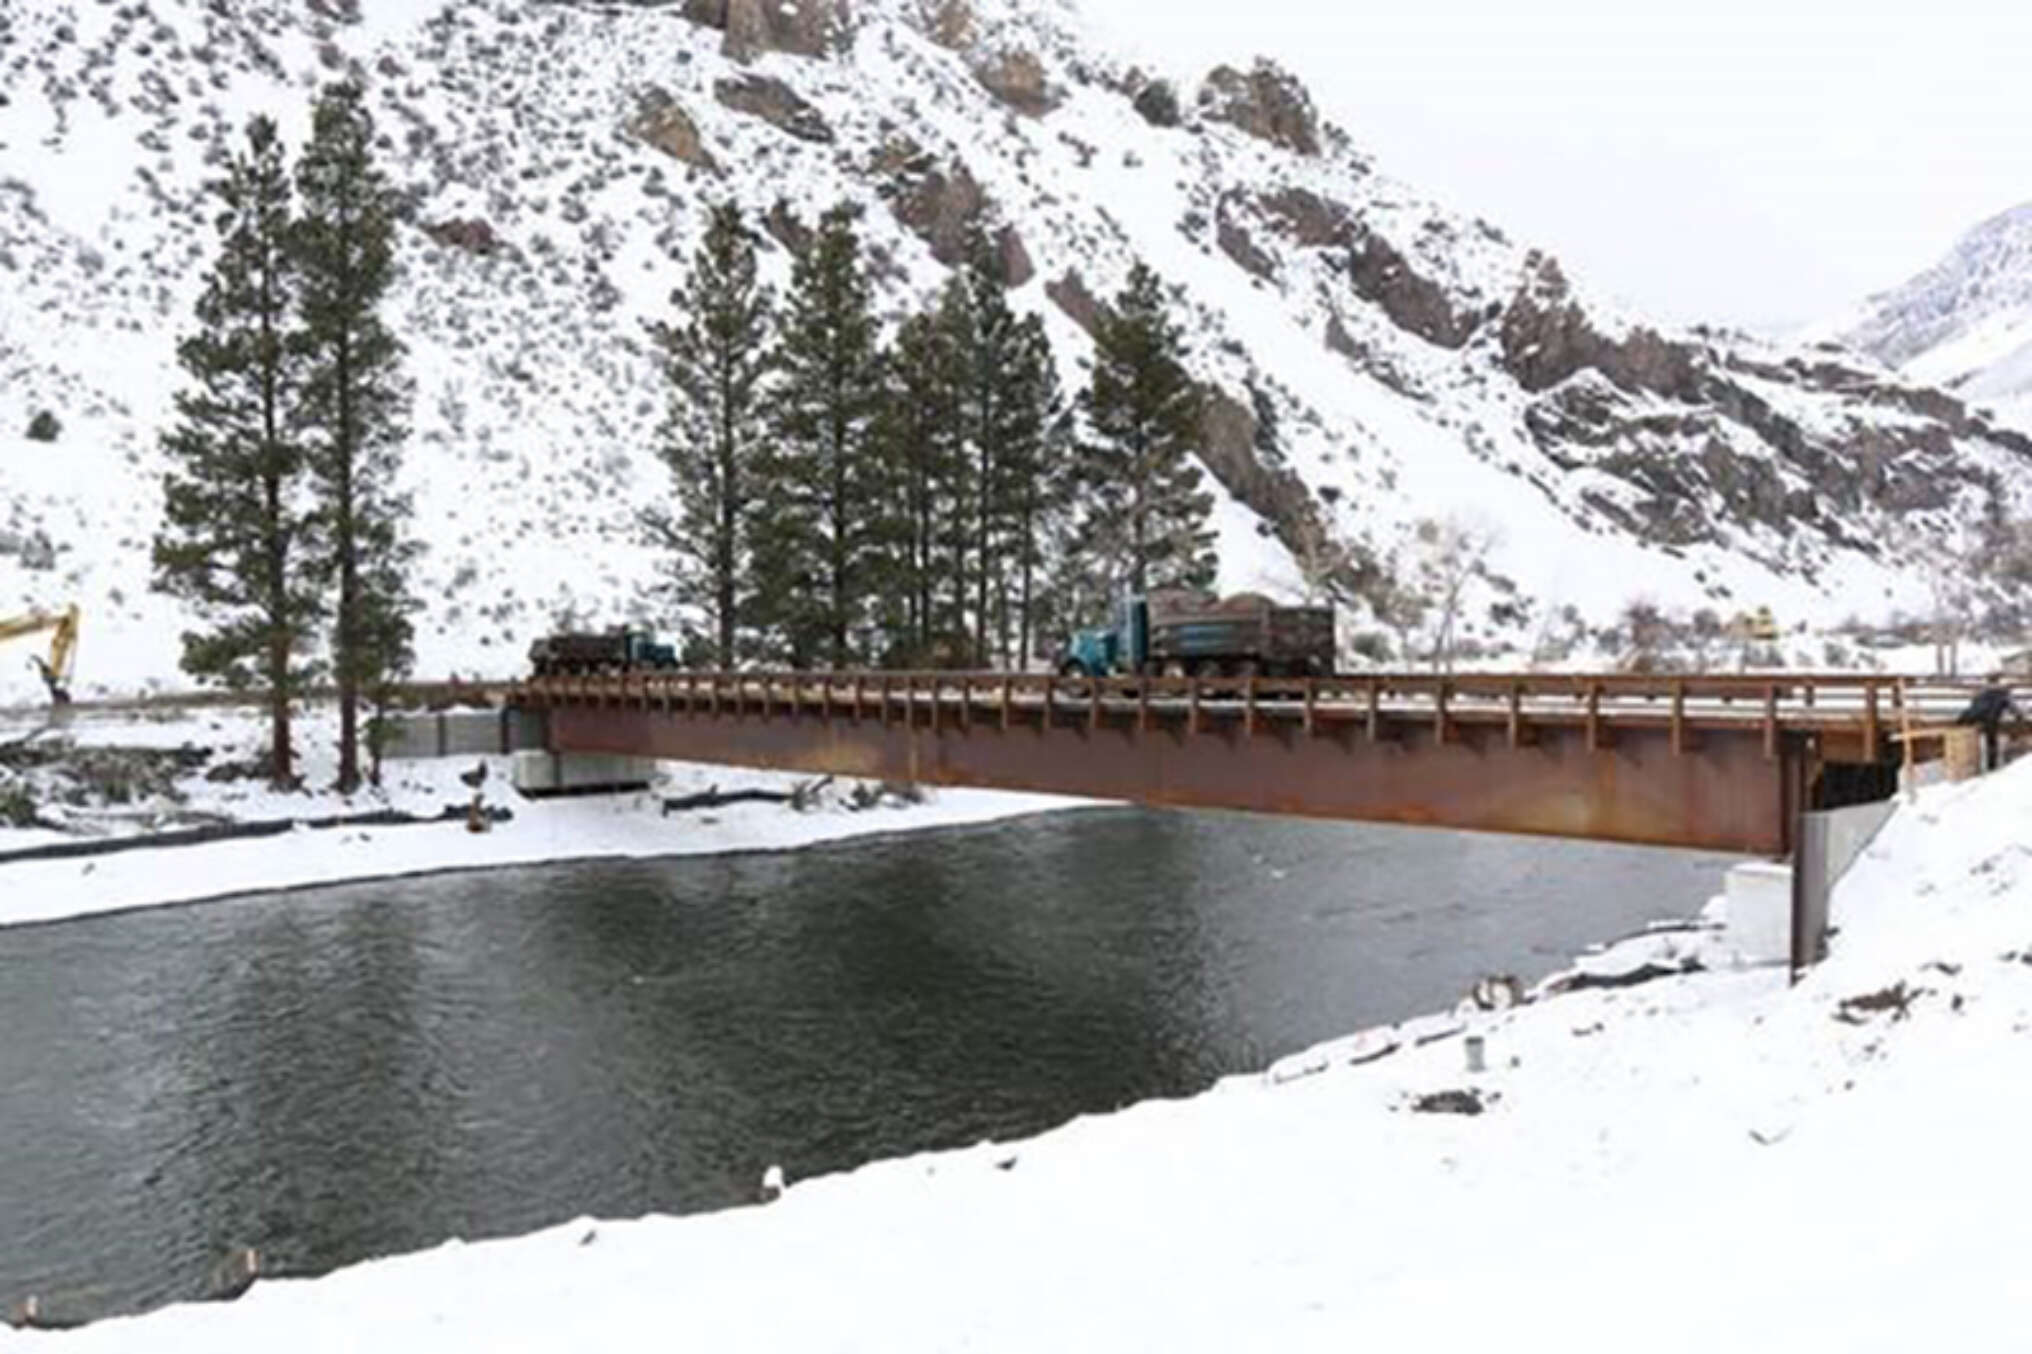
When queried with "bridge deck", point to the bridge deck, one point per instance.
{"points": [[1717, 761]]}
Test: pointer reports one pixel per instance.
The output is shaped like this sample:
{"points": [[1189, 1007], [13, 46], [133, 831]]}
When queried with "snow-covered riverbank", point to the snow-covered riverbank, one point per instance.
{"points": [[632, 825], [1707, 1161]]}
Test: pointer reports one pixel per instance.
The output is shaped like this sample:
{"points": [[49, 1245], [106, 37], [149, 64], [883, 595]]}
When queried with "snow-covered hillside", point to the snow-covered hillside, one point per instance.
{"points": [[1964, 324], [1378, 359]]}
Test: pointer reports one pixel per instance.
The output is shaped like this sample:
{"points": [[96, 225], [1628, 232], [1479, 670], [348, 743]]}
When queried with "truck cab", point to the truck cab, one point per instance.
{"points": [[1110, 650], [644, 652]]}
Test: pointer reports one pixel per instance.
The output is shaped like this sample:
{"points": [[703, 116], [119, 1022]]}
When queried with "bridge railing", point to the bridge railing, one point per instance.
{"points": [[1863, 707]]}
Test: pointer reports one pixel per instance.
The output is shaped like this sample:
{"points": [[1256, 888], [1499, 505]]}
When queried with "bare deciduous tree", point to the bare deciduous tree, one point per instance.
{"points": [[1445, 555]]}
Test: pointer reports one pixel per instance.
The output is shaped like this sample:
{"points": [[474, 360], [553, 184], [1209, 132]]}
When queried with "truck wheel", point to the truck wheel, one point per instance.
{"points": [[1072, 667]]}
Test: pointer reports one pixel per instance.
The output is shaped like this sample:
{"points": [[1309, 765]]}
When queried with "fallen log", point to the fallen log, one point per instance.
{"points": [[799, 797], [713, 798]]}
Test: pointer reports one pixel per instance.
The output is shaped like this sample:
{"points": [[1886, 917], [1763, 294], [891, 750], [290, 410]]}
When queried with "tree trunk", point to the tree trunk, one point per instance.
{"points": [[724, 565], [281, 622], [983, 554], [1023, 638], [344, 447]]}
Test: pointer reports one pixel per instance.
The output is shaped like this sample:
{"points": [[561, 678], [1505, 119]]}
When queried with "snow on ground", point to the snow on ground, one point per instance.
{"points": [[1706, 1161], [629, 825]]}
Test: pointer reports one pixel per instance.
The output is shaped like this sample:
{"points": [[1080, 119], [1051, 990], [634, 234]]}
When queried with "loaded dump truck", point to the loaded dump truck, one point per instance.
{"points": [[591, 653], [1189, 634]]}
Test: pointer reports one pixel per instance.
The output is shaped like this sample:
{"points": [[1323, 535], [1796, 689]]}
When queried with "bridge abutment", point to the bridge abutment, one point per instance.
{"points": [[541, 775]]}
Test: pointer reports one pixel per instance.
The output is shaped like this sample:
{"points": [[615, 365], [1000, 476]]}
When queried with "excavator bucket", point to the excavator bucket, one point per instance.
{"points": [[59, 694]]}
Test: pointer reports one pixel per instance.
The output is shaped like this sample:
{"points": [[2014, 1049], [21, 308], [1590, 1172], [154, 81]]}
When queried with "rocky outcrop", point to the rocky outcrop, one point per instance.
{"points": [[1012, 260], [1414, 303], [786, 229], [1366, 359], [1234, 239], [660, 121], [1070, 295], [1268, 103], [941, 204], [1016, 77], [951, 24], [1375, 269], [799, 27], [1307, 219], [1700, 446], [1231, 446], [765, 97], [472, 234], [1546, 337]]}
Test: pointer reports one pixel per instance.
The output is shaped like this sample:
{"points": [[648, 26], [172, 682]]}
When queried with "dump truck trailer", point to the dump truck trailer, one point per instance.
{"points": [[1180, 633]]}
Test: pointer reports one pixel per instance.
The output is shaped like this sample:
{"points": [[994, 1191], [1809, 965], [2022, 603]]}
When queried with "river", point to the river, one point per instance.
{"points": [[351, 1071]]}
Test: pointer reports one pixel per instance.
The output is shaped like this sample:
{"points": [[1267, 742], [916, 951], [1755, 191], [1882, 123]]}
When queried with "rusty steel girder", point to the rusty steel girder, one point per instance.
{"points": [[1731, 789]]}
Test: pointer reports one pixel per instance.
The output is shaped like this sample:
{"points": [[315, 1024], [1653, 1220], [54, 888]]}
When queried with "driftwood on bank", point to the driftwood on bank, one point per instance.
{"points": [[799, 797], [271, 827]]}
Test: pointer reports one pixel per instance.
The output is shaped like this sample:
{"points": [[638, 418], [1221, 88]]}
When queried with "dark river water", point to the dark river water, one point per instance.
{"points": [[346, 1072]]}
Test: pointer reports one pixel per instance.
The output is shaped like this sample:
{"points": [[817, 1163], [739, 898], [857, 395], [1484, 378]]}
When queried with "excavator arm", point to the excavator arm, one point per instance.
{"points": [[63, 646]]}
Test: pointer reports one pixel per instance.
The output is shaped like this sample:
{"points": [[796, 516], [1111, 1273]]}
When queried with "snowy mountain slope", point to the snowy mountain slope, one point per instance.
{"points": [[1377, 359], [1964, 324]]}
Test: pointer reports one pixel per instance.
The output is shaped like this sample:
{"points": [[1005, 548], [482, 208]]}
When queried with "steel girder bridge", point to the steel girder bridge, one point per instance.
{"points": [[1719, 762]]}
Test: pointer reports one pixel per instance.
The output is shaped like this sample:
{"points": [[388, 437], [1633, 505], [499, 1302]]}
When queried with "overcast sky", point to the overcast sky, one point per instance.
{"points": [[1758, 162]]}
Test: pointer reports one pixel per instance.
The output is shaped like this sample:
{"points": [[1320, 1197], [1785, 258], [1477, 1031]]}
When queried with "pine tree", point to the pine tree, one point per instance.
{"points": [[355, 395], [823, 522], [238, 539], [957, 490], [1148, 509], [922, 447], [716, 356], [990, 415], [999, 481], [1035, 479]]}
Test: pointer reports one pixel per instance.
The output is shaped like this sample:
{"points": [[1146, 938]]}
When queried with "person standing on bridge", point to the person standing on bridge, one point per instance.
{"points": [[1987, 710]]}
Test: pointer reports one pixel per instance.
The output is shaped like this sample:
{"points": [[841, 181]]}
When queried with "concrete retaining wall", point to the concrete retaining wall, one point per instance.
{"points": [[463, 733], [1777, 910]]}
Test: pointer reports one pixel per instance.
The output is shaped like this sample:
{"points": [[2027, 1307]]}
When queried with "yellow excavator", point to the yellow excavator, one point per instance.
{"points": [[63, 646]]}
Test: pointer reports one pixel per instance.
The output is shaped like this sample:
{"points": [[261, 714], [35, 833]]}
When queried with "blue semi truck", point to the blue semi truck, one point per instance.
{"points": [[585, 653], [1189, 634]]}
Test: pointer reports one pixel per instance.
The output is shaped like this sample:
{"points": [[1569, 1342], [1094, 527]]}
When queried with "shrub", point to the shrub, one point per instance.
{"points": [[44, 427], [1157, 103], [17, 806]]}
